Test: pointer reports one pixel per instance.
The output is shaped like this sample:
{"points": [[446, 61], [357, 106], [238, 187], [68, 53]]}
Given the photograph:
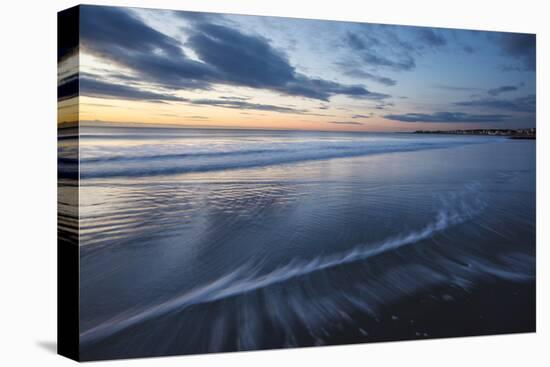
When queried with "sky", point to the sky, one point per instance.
{"points": [[219, 70]]}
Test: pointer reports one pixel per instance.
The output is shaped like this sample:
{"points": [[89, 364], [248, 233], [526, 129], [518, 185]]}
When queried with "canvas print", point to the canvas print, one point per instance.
{"points": [[235, 183]]}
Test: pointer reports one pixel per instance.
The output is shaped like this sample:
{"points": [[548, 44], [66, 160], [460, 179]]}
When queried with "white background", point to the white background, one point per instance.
{"points": [[28, 183]]}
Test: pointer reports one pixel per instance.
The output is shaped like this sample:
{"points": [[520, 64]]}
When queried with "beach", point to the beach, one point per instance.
{"points": [[211, 240]]}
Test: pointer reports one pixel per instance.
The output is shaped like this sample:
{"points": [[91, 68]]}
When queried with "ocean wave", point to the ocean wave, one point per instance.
{"points": [[456, 208], [146, 158], [170, 163]]}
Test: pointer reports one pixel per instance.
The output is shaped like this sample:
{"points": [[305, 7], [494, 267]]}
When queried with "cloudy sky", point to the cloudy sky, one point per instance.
{"points": [[203, 69]]}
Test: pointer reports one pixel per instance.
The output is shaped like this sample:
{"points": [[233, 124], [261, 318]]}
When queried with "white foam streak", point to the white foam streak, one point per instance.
{"points": [[246, 278]]}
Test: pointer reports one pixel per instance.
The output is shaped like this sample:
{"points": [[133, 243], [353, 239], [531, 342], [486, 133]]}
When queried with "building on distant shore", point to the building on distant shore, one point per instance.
{"points": [[530, 132]]}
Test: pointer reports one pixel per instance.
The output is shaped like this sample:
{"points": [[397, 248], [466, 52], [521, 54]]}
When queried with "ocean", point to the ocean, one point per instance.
{"points": [[212, 240]]}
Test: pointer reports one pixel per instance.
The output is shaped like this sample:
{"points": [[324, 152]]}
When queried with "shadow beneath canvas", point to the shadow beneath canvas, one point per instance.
{"points": [[48, 345]]}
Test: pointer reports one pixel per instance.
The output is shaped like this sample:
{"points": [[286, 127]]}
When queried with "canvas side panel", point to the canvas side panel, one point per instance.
{"points": [[67, 184]]}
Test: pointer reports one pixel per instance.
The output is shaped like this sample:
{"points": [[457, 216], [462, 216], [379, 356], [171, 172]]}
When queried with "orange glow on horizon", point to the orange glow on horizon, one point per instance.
{"points": [[181, 114]]}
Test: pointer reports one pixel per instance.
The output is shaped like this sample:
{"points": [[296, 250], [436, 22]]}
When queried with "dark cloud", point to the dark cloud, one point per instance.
{"points": [[67, 87], [520, 104], [451, 117], [345, 122], [520, 46], [121, 77], [235, 98], [360, 116], [114, 28], [67, 33], [194, 17], [364, 46], [358, 73], [468, 49], [505, 88], [454, 87], [96, 88], [431, 37], [323, 89], [242, 59], [395, 41], [380, 46], [240, 104], [250, 60], [227, 56], [383, 105], [355, 42], [364, 39], [113, 33], [67, 50], [406, 62]]}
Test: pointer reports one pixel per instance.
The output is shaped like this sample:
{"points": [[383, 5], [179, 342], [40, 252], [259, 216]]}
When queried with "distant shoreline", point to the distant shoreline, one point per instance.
{"points": [[529, 134]]}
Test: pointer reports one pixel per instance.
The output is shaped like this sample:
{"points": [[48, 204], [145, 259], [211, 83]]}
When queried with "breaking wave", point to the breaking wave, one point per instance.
{"points": [[249, 277], [152, 157]]}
